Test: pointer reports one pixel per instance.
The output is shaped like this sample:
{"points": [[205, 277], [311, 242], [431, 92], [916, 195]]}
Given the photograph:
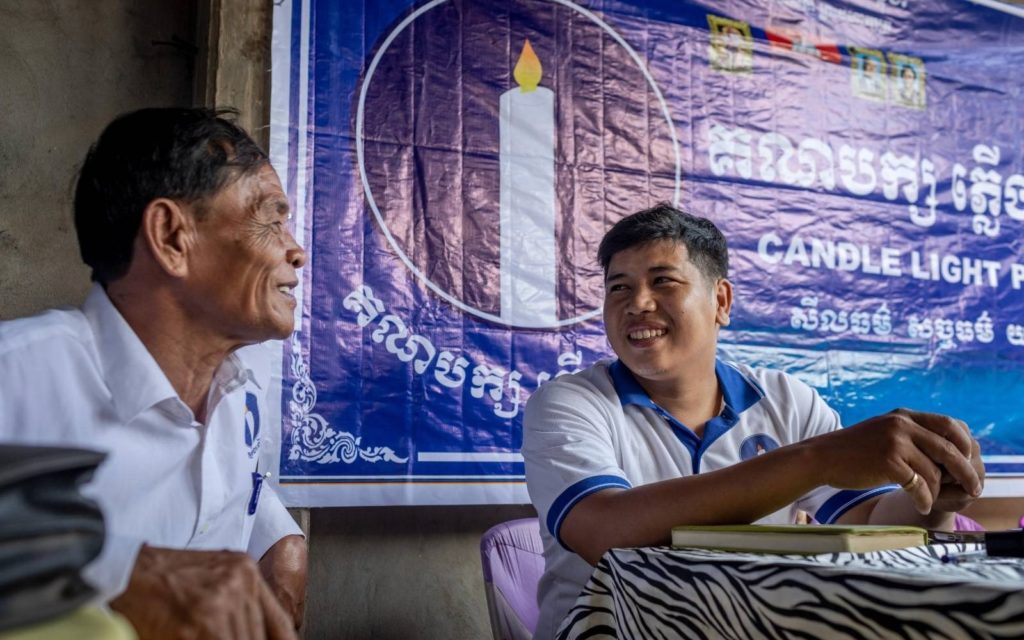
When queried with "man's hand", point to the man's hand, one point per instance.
{"points": [[199, 595], [952, 496], [284, 568], [933, 457]]}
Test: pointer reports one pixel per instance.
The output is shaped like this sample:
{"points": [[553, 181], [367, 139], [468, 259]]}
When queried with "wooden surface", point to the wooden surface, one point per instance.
{"points": [[233, 66]]}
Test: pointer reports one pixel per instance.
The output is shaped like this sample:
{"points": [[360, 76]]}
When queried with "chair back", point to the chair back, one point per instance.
{"points": [[512, 555], [964, 523]]}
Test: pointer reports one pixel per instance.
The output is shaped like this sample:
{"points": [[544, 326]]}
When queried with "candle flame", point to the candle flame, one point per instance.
{"points": [[528, 70]]}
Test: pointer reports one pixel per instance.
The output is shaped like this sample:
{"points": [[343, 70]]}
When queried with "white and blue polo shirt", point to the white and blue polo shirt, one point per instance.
{"points": [[599, 429]]}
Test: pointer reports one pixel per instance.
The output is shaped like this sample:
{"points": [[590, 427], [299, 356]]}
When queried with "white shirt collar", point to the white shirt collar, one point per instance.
{"points": [[135, 380]]}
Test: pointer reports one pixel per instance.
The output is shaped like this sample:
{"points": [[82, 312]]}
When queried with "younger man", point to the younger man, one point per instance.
{"points": [[668, 435]]}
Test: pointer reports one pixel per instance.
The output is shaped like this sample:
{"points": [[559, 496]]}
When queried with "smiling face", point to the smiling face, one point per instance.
{"points": [[244, 261], [662, 313]]}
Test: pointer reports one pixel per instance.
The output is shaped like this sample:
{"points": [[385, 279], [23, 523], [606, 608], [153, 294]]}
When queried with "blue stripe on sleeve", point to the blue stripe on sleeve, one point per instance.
{"points": [[564, 503], [843, 501]]}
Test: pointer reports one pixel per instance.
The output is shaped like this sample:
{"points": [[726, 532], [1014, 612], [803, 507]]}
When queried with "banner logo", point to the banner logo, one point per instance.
{"points": [[757, 444], [252, 424], [484, 184]]}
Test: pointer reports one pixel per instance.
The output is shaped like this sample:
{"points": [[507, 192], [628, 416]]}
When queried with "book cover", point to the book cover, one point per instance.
{"points": [[797, 538]]}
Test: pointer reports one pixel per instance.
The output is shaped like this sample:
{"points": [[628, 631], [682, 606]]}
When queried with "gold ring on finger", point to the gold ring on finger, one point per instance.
{"points": [[911, 484]]}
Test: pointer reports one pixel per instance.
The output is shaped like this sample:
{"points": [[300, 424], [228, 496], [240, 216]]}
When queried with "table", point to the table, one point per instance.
{"points": [[660, 592]]}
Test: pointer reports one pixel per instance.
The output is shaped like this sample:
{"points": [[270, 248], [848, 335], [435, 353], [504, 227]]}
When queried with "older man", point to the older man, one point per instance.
{"points": [[667, 434], [184, 224]]}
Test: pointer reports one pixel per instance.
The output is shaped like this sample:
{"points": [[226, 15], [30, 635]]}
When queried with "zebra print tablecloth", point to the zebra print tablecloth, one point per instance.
{"points": [[909, 593]]}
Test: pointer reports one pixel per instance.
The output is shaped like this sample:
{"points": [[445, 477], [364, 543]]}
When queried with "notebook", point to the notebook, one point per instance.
{"points": [[800, 539]]}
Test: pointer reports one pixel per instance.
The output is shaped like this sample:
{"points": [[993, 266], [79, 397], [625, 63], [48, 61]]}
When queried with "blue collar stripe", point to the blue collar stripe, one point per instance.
{"points": [[843, 501], [626, 386], [564, 503], [740, 392]]}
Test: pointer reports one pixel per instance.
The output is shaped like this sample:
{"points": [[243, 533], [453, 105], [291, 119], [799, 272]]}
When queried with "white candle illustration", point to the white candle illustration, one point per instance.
{"points": [[527, 158]]}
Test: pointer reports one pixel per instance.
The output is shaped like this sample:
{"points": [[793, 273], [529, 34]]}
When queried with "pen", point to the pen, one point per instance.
{"points": [[957, 558], [257, 485]]}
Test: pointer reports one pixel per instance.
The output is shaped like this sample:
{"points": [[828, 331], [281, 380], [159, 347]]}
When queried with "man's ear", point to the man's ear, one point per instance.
{"points": [[167, 231], [723, 301]]}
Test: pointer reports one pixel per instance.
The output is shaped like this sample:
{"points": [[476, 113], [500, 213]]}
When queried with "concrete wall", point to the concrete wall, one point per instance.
{"points": [[399, 573], [66, 69]]}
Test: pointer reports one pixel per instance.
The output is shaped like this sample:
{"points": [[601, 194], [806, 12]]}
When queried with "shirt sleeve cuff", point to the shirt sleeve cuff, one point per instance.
{"points": [[273, 522], [843, 501], [564, 503], [110, 572]]}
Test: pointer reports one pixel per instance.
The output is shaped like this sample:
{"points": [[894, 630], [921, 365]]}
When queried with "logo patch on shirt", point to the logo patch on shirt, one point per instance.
{"points": [[757, 444], [252, 424]]}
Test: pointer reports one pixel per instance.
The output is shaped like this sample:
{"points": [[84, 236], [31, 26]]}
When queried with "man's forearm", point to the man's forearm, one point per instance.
{"points": [[645, 515], [284, 567], [875, 452], [898, 508]]}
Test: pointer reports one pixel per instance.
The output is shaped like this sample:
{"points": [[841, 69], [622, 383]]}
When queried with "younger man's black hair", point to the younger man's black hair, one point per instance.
{"points": [[704, 243]]}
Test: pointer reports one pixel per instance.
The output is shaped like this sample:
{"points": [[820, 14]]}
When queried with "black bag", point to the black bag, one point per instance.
{"points": [[48, 532]]}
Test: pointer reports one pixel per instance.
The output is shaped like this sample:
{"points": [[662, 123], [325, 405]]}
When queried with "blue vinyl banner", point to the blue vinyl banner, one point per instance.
{"points": [[454, 164]]}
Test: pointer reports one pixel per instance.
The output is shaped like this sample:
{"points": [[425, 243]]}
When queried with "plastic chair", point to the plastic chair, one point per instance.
{"points": [[512, 556], [964, 523]]}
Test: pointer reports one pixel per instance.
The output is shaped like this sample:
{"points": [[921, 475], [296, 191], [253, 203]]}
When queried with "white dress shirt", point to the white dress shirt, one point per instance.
{"points": [[71, 377]]}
